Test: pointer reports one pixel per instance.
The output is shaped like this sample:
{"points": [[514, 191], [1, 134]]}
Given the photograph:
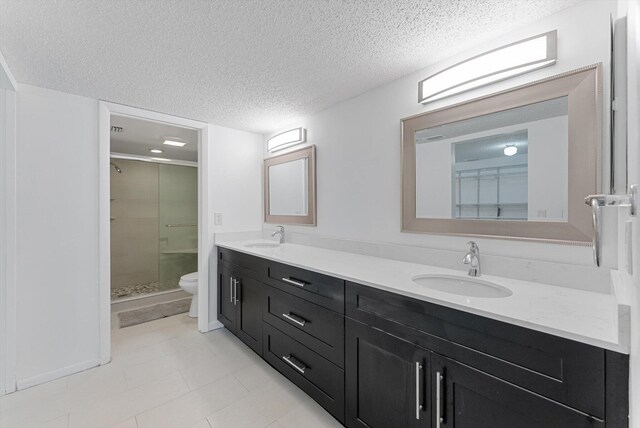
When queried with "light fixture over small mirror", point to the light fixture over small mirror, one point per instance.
{"points": [[499, 64], [287, 139]]}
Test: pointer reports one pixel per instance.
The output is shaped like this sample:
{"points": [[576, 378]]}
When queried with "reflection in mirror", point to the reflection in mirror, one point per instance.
{"points": [[288, 188], [507, 165], [490, 183]]}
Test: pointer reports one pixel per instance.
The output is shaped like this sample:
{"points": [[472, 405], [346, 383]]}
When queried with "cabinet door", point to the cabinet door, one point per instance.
{"points": [[386, 380], [464, 397], [226, 302], [249, 317]]}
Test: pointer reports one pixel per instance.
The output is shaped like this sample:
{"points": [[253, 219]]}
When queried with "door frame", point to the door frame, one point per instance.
{"points": [[205, 238], [8, 299]]}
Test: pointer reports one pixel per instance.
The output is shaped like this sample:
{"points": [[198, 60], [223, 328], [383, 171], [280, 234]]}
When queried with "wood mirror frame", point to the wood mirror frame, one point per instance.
{"points": [[310, 219], [583, 87]]}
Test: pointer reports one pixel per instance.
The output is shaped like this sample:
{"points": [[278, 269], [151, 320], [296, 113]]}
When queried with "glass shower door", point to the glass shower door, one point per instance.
{"points": [[178, 223]]}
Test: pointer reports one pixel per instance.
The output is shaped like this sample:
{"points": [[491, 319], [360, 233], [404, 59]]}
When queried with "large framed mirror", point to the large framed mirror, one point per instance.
{"points": [[516, 164], [290, 188]]}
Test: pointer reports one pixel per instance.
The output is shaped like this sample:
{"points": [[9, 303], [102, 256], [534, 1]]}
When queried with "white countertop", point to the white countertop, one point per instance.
{"points": [[583, 316]]}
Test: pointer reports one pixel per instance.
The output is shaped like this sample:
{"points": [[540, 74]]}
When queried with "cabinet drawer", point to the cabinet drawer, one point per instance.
{"points": [[312, 325], [315, 287], [246, 261], [319, 378], [566, 371]]}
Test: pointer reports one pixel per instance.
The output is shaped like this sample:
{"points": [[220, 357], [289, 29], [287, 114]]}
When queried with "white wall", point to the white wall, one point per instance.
{"points": [[57, 234], [548, 172], [358, 142], [235, 191], [57, 227], [7, 227], [434, 165]]}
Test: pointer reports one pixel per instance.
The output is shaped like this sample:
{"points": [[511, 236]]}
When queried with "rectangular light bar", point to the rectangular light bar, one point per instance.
{"points": [[287, 139], [174, 143], [490, 67]]}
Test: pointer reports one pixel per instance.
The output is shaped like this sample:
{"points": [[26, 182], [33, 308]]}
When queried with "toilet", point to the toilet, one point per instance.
{"points": [[189, 283]]}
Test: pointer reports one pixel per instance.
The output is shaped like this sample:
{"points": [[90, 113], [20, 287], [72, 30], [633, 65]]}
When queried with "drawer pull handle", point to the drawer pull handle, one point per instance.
{"points": [[289, 361], [294, 282], [231, 290], [439, 400], [418, 405], [295, 319]]}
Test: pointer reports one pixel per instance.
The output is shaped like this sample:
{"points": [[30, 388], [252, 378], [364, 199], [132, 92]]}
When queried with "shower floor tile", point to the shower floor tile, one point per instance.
{"points": [[141, 289]]}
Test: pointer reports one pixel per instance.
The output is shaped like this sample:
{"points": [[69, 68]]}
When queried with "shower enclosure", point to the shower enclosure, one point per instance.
{"points": [[154, 232]]}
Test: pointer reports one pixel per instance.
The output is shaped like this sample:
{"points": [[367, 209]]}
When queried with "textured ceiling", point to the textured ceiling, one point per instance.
{"points": [[247, 64]]}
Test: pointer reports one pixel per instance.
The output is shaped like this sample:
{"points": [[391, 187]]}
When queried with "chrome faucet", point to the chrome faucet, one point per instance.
{"points": [[279, 231], [472, 258]]}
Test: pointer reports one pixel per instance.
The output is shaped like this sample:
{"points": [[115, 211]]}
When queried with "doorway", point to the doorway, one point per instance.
{"points": [[153, 217]]}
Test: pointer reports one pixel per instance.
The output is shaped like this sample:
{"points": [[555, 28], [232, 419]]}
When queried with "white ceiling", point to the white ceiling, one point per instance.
{"points": [[138, 136], [247, 64]]}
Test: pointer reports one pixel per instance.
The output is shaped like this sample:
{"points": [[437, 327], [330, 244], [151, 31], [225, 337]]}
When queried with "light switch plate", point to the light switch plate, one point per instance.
{"points": [[217, 219]]}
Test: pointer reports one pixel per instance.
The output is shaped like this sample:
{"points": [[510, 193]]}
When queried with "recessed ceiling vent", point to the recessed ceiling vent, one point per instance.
{"points": [[117, 129]]}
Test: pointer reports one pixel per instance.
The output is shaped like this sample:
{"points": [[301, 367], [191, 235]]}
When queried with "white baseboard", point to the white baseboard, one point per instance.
{"points": [[56, 374], [214, 325]]}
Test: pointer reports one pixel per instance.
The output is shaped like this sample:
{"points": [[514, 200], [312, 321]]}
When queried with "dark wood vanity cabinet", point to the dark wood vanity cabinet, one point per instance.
{"points": [[387, 380], [464, 397], [299, 317], [240, 304], [378, 359]]}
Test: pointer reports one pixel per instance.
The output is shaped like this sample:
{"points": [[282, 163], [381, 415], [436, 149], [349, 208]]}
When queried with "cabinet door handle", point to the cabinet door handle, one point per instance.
{"points": [[235, 292], [289, 361], [418, 400], [439, 400], [231, 290], [295, 319], [294, 282]]}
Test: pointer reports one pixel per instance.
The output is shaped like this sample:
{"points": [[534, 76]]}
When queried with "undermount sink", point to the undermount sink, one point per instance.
{"points": [[263, 245], [462, 286]]}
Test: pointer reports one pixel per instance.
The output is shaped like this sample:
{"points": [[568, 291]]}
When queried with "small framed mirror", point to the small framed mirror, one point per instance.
{"points": [[290, 188], [516, 164]]}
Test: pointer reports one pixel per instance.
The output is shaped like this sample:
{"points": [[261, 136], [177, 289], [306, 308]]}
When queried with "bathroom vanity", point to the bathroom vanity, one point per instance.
{"points": [[388, 352]]}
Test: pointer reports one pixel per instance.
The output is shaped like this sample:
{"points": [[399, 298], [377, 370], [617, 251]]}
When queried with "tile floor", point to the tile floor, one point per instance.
{"points": [[164, 374]]}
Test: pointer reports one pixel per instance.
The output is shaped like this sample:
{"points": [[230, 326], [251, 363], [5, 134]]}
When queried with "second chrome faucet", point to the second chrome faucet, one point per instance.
{"points": [[472, 258], [279, 231]]}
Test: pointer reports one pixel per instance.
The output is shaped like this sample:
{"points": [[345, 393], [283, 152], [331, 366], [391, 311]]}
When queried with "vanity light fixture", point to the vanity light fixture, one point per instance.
{"points": [[175, 143], [499, 64], [161, 159], [510, 150], [156, 151], [287, 139]]}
